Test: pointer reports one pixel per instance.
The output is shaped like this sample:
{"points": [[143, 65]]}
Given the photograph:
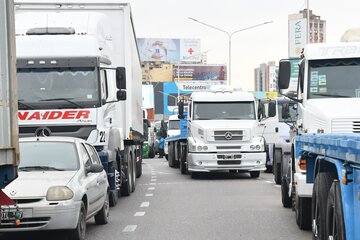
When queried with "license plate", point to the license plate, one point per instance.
{"points": [[10, 214]]}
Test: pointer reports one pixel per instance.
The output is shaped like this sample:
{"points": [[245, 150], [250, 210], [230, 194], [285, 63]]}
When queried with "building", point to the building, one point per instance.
{"points": [[298, 31], [265, 77]]}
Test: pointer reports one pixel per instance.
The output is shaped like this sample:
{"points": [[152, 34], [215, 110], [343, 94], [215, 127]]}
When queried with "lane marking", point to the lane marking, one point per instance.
{"points": [[152, 183], [154, 180], [145, 204], [149, 195], [130, 228], [139, 214], [151, 188]]}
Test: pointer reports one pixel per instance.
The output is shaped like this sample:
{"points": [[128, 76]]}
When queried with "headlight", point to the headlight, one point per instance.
{"points": [[199, 148], [205, 148], [59, 193], [258, 147], [252, 147]]}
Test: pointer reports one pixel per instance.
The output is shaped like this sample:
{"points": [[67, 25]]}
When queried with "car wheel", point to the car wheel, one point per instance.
{"points": [[254, 174], [102, 217], [79, 233]]}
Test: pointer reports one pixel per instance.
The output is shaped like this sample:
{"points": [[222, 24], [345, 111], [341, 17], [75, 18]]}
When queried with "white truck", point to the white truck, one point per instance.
{"points": [[79, 75], [9, 145], [328, 102], [222, 134], [172, 130]]}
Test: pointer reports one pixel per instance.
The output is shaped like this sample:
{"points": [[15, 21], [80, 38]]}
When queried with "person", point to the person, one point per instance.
{"points": [[221, 73], [161, 147]]}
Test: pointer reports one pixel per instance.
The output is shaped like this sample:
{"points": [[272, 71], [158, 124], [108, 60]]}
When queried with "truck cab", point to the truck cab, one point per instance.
{"points": [[222, 133]]}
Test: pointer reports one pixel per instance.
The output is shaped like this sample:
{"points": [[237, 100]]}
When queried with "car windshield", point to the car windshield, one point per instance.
{"points": [[74, 87], [174, 124], [39, 155], [224, 111], [334, 78]]}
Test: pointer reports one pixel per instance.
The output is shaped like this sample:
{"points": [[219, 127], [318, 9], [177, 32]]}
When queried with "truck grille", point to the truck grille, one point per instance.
{"points": [[230, 135], [345, 126], [71, 131]]}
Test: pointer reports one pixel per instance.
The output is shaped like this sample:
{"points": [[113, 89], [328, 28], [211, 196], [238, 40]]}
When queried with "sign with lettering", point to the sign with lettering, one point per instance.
{"points": [[297, 37]]}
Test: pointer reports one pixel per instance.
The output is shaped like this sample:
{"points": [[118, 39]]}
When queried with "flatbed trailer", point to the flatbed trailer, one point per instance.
{"points": [[333, 165]]}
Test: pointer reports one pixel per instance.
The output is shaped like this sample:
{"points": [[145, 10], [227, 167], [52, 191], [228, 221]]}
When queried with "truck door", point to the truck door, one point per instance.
{"points": [[269, 121]]}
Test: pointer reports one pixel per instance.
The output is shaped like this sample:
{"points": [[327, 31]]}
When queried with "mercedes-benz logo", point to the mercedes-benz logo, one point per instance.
{"points": [[228, 136], [43, 132]]}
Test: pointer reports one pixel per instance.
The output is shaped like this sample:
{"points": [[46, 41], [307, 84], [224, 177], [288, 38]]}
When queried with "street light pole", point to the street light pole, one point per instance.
{"points": [[230, 35]]}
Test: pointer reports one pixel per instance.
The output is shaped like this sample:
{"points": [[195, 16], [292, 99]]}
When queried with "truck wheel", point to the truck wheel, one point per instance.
{"points": [[335, 225], [285, 198], [171, 155], [255, 174], [321, 189], [133, 172], [113, 195], [303, 213], [277, 165], [139, 166], [269, 167], [167, 157], [126, 183], [102, 217], [151, 153]]}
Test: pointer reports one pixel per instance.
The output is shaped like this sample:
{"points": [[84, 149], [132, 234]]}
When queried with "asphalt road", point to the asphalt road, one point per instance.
{"points": [[168, 205]]}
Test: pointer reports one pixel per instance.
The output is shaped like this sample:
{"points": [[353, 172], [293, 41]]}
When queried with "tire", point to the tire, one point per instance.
{"points": [[335, 214], [79, 233], [171, 155], [167, 157], [102, 217], [269, 168], [133, 172], [303, 213], [151, 153], [277, 165], [321, 189], [285, 198], [255, 174], [139, 167], [125, 188], [113, 196]]}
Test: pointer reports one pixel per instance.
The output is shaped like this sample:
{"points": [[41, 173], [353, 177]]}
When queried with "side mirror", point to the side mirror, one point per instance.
{"points": [[285, 112], [272, 109], [94, 168], [121, 78], [261, 110], [284, 74], [181, 108], [121, 95]]}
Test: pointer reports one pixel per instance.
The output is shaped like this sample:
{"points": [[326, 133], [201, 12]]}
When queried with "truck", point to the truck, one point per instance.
{"points": [[221, 134], [79, 75], [277, 134], [172, 130], [9, 142], [328, 102]]}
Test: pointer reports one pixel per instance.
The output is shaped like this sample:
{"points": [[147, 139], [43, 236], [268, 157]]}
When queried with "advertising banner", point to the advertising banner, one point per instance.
{"points": [[199, 72], [297, 36], [190, 50]]}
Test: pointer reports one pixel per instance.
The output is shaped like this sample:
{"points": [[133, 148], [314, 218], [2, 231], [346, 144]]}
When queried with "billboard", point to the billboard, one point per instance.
{"points": [[169, 50], [199, 72], [297, 36]]}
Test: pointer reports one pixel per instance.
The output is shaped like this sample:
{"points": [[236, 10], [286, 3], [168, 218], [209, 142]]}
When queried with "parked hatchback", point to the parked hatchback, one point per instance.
{"points": [[61, 184]]}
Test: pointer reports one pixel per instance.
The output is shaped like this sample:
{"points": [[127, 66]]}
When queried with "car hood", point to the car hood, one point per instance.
{"points": [[36, 183]]}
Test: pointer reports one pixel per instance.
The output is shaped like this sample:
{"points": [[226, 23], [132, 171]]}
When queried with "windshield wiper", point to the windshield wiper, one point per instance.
{"points": [[330, 95], [64, 99], [45, 168], [27, 106]]}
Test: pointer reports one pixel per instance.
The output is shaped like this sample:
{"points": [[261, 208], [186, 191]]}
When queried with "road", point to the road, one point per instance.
{"points": [[168, 205]]}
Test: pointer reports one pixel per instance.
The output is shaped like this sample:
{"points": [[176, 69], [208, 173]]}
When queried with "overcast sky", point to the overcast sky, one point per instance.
{"points": [[169, 19]]}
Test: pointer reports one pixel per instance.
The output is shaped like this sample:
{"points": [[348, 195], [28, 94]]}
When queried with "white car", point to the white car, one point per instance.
{"points": [[61, 184]]}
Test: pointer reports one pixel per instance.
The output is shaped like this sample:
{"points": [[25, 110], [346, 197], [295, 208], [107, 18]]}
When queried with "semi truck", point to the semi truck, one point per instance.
{"points": [[328, 102], [9, 144], [222, 134], [79, 75], [172, 130]]}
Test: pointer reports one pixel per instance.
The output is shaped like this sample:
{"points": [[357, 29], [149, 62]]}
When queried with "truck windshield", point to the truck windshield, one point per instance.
{"points": [[334, 78], [73, 87], [174, 124], [224, 111]]}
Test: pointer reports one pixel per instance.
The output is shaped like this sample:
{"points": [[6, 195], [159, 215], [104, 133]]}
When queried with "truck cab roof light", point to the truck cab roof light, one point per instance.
{"points": [[53, 62], [30, 63], [51, 31], [42, 62]]}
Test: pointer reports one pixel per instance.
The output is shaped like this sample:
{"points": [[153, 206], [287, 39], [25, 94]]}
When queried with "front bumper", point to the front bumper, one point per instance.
{"points": [[42, 216], [208, 162]]}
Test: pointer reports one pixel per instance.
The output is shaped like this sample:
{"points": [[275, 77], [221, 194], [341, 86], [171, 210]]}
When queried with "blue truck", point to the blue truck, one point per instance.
{"points": [[333, 165]]}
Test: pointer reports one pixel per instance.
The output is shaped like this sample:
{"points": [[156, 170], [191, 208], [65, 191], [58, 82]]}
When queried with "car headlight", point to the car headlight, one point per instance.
{"points": [[255, 147], [199, 148], [205, 148], [258, 147], [59, 193]]}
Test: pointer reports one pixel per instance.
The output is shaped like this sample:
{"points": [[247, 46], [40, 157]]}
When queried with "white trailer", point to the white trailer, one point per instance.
{"points": [[79, 74], [328, 102], [9, 145]]}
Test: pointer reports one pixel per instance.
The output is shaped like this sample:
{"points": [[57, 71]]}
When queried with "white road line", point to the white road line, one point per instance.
{"points": [[152, 183], [269, 181], [149, 195], [151, 188], [130, 228], [145, 204], [153, 180], [139, 214]]}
